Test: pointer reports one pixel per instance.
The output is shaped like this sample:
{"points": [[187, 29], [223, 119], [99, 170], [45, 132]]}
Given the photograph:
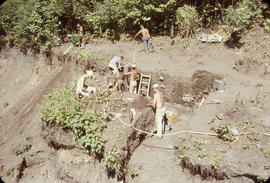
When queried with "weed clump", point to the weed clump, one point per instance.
{"points": [[225, 132], [20, 149]]}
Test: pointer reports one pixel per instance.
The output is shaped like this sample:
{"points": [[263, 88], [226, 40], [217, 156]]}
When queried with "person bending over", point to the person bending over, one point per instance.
{"points": [[116, 64]]}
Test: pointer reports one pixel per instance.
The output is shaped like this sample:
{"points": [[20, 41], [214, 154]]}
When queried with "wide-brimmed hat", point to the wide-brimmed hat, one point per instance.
{"points": [[89, 73], [155, 86], [133, 66]]}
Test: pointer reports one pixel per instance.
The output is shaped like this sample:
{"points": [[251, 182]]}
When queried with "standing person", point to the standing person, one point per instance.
{"points": [[145, 37], [82, 89], [158, 104], [116, 64], [80, 30], [133, 79]]}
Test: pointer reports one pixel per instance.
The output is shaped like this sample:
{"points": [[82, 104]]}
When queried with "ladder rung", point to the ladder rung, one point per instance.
{"points": [[146, 83], [143, 90], [146, 76]]}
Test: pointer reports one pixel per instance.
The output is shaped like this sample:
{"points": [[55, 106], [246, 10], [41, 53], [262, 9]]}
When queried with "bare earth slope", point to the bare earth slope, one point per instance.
{"points": [[25, 79]]}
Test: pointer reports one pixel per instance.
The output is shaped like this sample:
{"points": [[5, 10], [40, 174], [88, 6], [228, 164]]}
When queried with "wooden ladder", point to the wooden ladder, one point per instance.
{"points": [[144, 85]]}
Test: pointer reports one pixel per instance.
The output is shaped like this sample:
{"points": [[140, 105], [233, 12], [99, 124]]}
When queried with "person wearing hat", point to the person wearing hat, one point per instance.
{"points": [[116, 64], [158, 104], [82, 89], [132, 79]]}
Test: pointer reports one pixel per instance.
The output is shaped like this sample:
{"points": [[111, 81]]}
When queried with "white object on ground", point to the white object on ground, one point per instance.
{"points": [[219, 85], [90, 89], [211, 38]]}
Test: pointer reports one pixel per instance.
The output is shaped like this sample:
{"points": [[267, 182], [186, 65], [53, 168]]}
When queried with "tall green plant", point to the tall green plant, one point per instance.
{"points": [[62, 108], [36, 27], [187, 20], [245, 14]]}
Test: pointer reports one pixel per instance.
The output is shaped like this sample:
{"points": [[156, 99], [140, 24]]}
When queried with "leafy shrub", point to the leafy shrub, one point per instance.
{"points": [[265, 150], [266, 25], [224, 132], [183, 148], [133, 173], [211, 14], [60, 107], [63, 109], [112, 163], [245, 14], [187, 20]]}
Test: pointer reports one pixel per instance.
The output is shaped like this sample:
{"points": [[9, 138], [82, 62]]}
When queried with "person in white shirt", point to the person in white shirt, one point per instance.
{"points": [[158, 104], [82, 89], [116, 64]]}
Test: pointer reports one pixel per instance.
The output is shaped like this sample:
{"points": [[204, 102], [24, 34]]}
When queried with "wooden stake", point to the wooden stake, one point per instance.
{"points": [[237, 98], [266, 70]]}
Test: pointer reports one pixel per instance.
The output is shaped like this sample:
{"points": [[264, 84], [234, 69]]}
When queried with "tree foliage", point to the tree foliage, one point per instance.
{"points": [[34, 23]]}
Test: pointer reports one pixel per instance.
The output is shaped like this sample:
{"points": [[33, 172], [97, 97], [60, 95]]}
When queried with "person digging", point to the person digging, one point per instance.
{"points": [[116, 64], [82, 89], [132, 79], [145, 37], [158, 104]]}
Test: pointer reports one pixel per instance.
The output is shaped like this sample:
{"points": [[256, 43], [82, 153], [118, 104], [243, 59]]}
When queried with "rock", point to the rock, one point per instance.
{"points": [[187, 98], [220, 116], [234, 131], [259, 84], [73, 156], [161, 78], [162, 86], [266, 121]]}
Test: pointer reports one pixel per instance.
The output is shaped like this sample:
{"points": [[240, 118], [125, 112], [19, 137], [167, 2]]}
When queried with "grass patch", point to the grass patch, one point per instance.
{"points": [[203, 154], [8, 172], [133, 173], [265, 150], [182, 148], [224, 132], [20, 149]]}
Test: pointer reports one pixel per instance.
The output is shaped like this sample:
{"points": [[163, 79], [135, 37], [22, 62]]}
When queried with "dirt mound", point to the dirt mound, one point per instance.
{"points": [[202, 82]]}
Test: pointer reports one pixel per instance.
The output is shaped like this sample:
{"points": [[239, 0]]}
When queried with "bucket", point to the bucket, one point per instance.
{"points": [[172, 116], [219, 85]]}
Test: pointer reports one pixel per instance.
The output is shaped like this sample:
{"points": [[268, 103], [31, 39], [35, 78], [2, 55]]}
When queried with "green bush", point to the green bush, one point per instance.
{"points": [[63, 109], [245, 14], [34, 23], [187, 20], [60, 107], [224, 132], [112, 163]]}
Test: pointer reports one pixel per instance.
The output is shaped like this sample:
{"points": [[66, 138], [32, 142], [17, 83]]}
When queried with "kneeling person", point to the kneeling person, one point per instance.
{"points": [[82, 89]]}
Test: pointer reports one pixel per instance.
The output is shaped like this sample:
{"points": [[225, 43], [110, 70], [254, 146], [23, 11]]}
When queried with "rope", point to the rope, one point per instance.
{"points": [[118, 116]]}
